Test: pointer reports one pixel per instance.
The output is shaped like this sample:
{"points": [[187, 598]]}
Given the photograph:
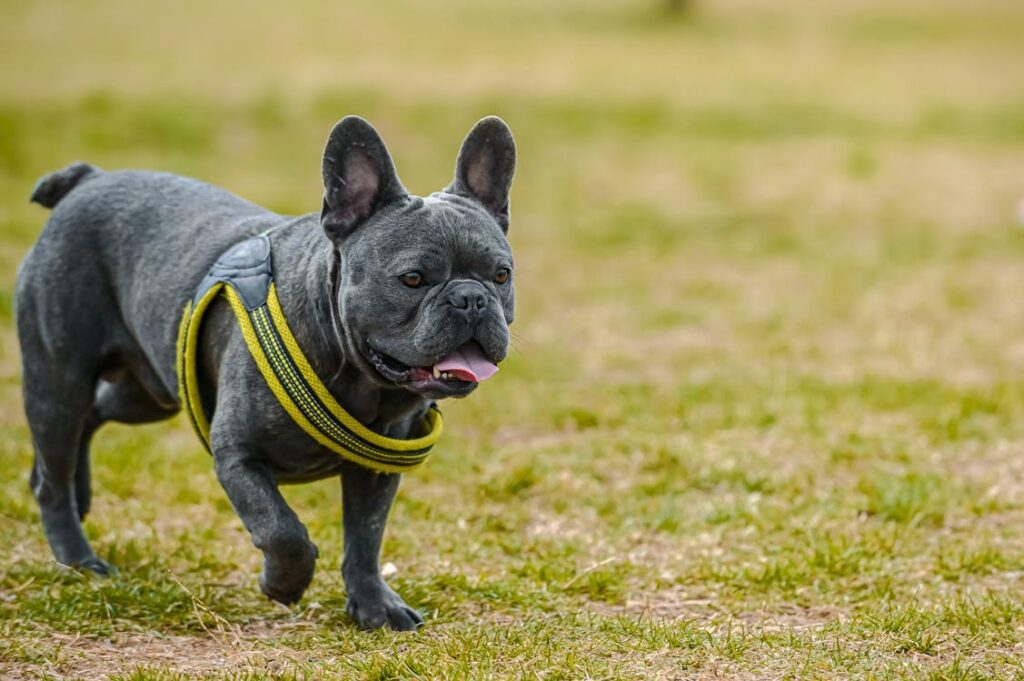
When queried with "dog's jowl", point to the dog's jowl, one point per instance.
{"points": [[300, 347]]}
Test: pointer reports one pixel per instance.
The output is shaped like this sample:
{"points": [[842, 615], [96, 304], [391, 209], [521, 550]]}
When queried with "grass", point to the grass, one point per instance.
{"points": [[765, 413]]}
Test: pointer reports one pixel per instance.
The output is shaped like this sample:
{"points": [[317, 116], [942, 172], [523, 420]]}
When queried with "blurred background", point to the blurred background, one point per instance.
{"points": [[825, 184], [768, 268]]}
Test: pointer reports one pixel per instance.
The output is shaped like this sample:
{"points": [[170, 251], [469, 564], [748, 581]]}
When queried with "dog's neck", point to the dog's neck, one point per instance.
{"points": [[307, 281]]}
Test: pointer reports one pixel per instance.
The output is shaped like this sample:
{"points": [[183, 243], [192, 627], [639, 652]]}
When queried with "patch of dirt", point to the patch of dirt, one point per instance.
{"points": [[222, 651]]}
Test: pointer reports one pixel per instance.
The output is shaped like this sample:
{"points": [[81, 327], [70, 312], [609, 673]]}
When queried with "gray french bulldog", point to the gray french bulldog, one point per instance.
{"points": [[396, 300]]}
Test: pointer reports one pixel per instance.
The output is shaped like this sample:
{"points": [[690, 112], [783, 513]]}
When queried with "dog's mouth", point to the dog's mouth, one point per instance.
{"points": [[454, 375]]}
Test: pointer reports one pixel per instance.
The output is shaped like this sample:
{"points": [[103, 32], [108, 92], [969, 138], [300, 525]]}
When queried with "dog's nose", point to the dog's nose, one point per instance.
{"points": [[469, 296]]}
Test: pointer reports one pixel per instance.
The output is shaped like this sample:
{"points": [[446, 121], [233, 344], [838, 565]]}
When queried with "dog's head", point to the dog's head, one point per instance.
{"points": [[425, 285]]}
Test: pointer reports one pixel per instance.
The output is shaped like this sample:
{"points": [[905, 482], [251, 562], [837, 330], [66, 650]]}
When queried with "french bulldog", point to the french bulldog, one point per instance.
{"points": [[396, 300]]}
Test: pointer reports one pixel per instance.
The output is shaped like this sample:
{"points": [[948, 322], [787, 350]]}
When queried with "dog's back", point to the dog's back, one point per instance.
{"points": [[118, 257]]}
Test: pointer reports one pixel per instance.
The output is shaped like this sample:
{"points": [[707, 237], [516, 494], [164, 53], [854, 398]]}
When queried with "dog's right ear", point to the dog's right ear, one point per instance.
{"points": [[359, 177]]}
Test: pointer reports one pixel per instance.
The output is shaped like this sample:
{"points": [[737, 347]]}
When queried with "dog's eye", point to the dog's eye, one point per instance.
{"points": [[502, 275], [412, 279]]}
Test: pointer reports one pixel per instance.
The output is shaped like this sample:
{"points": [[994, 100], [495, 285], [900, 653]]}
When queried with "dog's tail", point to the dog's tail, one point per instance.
{"points": [[55, 186]]}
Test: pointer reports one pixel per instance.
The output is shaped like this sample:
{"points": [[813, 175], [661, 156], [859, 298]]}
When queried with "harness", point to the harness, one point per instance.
{"points": [[244, 275]]}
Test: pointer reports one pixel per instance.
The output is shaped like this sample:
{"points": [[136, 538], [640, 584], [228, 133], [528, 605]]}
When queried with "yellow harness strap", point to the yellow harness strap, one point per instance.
{"points": [[287, 372]]}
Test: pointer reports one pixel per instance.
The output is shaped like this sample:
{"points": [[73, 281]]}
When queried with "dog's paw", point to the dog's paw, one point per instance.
{"points": [[288, 571], [378, 606], [95, 566], [282, 596]]}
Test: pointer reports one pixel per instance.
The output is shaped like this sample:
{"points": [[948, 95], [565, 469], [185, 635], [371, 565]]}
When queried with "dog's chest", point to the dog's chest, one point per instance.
{"points": [[293, 457]]}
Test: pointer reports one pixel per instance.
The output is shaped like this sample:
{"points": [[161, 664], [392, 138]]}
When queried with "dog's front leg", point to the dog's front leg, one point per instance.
{"points": [[289, 557], [366, 500]]}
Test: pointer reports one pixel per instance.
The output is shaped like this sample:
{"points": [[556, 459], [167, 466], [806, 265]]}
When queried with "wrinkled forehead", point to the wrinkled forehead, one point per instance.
{"points": [[445, 224]]}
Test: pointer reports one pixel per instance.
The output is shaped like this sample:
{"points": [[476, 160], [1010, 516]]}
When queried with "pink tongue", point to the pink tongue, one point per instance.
{"points": [[468, 363]]}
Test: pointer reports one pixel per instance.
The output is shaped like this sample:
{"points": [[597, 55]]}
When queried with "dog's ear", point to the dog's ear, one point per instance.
{"points": [[485, 167], [359, 177]]}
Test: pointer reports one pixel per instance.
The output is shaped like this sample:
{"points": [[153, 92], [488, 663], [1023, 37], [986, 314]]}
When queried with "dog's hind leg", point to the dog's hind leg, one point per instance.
{"points": [[83, 486], [83, 478], [120, 396], [62, 367], [57, 406]]}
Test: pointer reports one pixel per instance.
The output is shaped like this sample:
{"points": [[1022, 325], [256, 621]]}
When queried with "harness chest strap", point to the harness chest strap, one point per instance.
{"points": [[244, 275]]}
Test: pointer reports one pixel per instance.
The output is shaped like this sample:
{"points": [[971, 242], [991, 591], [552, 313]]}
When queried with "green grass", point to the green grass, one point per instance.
{"points": [[764, 415]]}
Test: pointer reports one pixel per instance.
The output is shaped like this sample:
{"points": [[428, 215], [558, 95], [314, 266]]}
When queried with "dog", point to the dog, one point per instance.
{"points": [[395, 300]]}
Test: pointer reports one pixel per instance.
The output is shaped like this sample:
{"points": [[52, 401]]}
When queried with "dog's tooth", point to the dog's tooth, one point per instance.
{"points": [[437, 373]]}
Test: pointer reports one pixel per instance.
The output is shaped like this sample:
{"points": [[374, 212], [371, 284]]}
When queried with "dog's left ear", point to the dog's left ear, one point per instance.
{"points": [[359, 177], [485, 167]]}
